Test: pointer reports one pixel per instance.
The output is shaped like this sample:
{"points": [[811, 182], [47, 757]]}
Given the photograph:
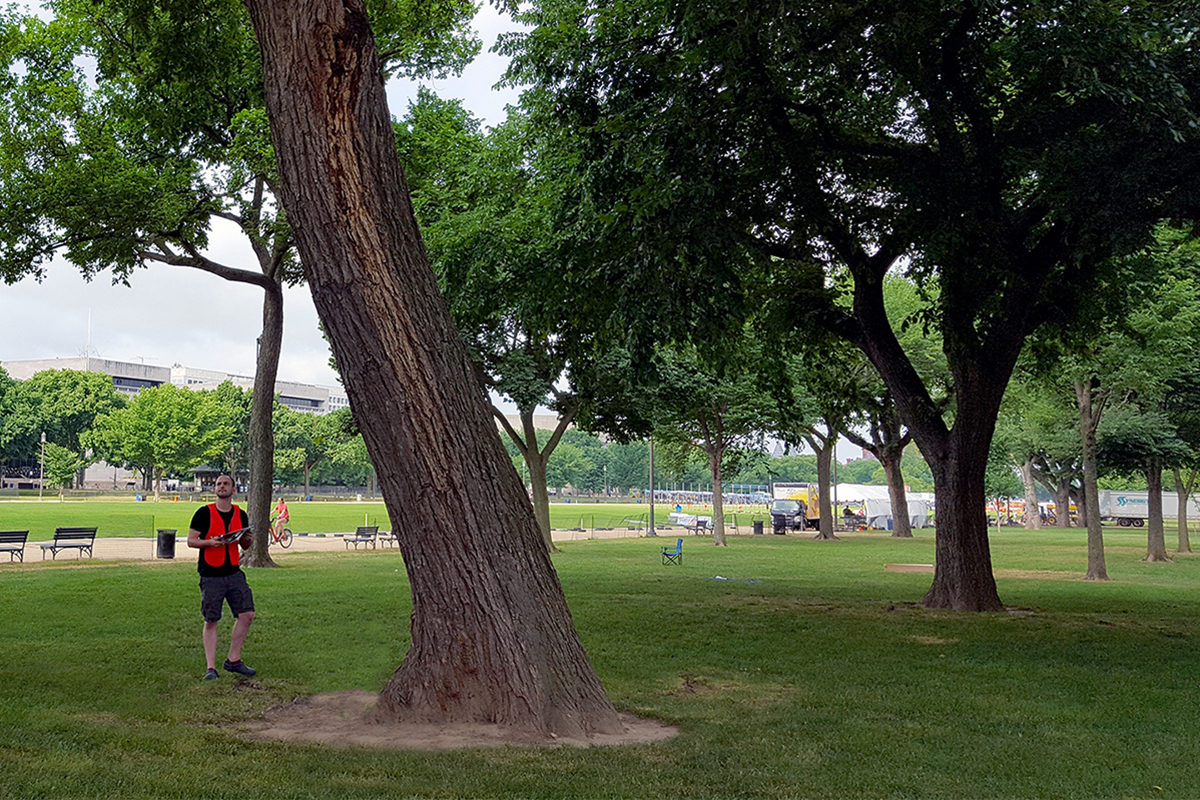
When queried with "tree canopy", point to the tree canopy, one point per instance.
{"points": [[997, 152]]}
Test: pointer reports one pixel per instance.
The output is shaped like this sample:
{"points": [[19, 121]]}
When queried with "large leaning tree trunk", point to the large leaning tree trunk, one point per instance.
{"points": [[492, 638]]}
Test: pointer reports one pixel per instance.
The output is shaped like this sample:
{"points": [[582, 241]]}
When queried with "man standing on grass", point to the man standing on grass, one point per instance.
{"points": [[221, 579]]}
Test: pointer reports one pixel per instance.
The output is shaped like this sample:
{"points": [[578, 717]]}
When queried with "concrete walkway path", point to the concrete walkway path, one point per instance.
{"points": [[145, 548]]}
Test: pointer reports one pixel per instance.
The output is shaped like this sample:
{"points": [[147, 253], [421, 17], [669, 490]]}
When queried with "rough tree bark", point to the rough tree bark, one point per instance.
{"points": [[1033, 514], [901, 521], [492, 638], [262, 430], [1090, 410], [1184, 491], [823, 446], [1156, 544]]}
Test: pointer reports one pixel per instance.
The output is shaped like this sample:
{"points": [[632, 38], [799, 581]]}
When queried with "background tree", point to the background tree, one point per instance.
{"points": [[492, 639], [304, 440], [807, 139], [628, 465], [1137, 337], [485, 205], [62, 466], [1183, 409], [236, 406], [63, 404], [710, 399], [1032, 416], [1133, 440], [165, 429]]}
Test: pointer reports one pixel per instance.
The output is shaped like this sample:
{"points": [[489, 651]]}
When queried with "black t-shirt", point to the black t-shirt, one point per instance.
{"points": [[200, 523]]}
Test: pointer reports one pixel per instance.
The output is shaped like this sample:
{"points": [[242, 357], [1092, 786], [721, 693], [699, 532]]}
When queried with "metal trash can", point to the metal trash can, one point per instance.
{"points": [[166, 542], [758, 527]]}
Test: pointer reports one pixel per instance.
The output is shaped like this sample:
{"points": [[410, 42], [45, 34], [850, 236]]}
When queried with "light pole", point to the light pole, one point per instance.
{"points": [[606, 480], [42, 468]]}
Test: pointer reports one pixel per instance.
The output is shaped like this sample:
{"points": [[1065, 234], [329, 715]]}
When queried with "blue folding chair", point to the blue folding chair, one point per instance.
{"points": [[673, 556]]}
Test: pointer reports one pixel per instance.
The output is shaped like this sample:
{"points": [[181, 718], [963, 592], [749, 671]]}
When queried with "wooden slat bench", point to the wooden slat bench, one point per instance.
{"points": [[70, 539], [365, 534], [389, 538], [13, 543]]}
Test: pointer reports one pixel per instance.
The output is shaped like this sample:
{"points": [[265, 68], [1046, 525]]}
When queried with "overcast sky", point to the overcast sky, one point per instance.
{"points": [[183, 316]]}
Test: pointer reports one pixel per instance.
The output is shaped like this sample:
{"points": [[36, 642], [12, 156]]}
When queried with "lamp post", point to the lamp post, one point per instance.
{"points": [[42, 468]]}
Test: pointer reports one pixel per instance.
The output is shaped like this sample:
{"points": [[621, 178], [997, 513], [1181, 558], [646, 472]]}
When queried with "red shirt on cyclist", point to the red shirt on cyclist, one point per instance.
{"points": [[281, 510]]}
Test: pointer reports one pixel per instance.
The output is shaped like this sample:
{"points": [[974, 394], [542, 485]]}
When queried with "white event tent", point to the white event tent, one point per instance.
{"points": [[877, 504]]}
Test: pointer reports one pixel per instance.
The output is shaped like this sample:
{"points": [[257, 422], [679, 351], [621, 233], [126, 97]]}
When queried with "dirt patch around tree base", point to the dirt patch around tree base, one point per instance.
{"points": [[343, 719]]}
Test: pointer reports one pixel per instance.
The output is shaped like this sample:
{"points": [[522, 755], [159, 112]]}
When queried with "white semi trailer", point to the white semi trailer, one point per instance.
{"points": [[1132, 509]]}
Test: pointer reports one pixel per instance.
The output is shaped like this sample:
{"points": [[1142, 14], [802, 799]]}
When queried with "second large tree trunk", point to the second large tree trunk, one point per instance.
{"points": [[1062, 505], [492, 639], [262, 432]]}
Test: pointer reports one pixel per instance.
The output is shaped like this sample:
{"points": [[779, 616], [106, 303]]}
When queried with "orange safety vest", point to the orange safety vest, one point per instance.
{"points": [[230, 553]]}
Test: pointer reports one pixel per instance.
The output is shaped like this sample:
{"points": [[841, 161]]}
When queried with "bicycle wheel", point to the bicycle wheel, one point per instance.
{"points": [[285, 538]]}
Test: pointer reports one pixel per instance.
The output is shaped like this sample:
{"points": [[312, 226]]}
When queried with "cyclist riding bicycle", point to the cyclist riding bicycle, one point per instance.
{"points": [[282, 517]]}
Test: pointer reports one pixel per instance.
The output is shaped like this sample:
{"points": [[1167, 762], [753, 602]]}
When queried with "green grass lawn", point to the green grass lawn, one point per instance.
{"points": [[131, 518], [810, 672]]}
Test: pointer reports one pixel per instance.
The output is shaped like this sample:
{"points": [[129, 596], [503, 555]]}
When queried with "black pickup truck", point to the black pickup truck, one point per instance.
{"points": [[788, 514]]}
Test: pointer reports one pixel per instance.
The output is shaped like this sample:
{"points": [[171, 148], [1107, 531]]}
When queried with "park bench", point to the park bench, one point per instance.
{"points": [[365, 534], [70, 538], [389, 538], [698, 525], [13, 543], [673, 556]]}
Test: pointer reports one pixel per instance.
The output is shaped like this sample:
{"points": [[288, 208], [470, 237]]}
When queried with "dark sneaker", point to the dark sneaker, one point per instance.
{"points": [[240, 668], [211, 675]]}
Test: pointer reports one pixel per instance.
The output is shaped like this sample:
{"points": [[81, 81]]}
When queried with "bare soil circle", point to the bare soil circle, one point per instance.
{"points": [[344, 719]]}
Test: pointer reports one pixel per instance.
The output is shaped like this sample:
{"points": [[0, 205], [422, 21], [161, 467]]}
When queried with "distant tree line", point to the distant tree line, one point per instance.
{"points": [[165, 431]]}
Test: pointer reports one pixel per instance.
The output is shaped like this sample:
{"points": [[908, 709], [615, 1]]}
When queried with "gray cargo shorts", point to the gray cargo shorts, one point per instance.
{"points": [[214, 591]]}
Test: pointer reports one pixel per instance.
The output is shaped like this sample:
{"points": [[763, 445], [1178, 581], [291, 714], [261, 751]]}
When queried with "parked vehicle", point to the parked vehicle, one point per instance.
{"points": [[807, 510], [1132, 508], [788, 515]]}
